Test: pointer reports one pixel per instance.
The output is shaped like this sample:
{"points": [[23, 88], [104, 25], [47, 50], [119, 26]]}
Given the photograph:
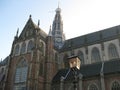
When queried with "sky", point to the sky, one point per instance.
{"points": [[79, 17]]}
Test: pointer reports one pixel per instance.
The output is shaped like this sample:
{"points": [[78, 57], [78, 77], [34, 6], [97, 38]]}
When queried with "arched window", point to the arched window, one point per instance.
{"points": [[115, 86], [23, 48], [112, 51], [21, 75], [16, 49], [81, 56], [30, 46], [66, 63], [93, 87], [42, 47], [95, 55]]}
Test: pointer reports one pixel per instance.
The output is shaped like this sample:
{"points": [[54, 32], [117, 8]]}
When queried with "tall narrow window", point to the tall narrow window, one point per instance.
{"points": [[95, 55], [66, 63], [30, 46], [21, 75], [16, 49], [112, 51], [115, 86], [93, 87], [81, 56], [42, 47], [23, 48]]}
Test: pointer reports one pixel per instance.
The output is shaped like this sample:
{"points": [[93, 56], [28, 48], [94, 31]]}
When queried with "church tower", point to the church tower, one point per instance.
{"points": [[57, 30]]}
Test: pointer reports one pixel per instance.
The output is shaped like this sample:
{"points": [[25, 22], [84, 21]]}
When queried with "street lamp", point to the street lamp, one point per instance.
{"points": [[74, 63]]}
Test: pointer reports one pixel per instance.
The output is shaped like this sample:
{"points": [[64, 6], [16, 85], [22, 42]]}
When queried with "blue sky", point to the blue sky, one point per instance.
{"points": [[79, 17]]}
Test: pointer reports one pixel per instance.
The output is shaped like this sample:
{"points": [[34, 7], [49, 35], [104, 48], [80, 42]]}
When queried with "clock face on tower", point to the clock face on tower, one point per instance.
{"points": [[58, 39]]}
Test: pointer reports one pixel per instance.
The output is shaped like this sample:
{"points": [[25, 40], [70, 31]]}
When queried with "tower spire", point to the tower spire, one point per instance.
{"points": [[50, 31], [30, 16], [57, 29], [58, 4], [38, 23], [17, 32]]}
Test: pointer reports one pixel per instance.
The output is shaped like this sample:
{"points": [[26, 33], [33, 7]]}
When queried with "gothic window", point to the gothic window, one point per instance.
{"points": [[95, 55], [112, 51], [16, 49], [42, 48], [30, 46], [115, 86], [81, 56], [93, 87], [21, 75], [23, 48], [66, 63]]}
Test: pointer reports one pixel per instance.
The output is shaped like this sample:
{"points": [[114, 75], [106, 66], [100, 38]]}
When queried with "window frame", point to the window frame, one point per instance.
{"points": [[94, 84], [112, 51], [95, 55], [112, 88], [21, 72]]}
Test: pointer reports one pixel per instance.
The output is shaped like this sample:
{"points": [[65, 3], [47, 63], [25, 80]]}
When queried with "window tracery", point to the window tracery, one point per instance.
{"points": [[21, 75], [81, 56], [95, 55], [112, 51], [17, 47], [93, 87], [30, 46], [23, 48], [115, 86]]}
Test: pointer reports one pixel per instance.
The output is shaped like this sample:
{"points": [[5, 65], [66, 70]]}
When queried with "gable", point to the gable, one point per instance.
{"points": [[29, 29]]}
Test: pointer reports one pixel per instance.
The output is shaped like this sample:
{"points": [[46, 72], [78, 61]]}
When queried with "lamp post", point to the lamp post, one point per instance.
{"points": [[74, 62], [75, 81]]}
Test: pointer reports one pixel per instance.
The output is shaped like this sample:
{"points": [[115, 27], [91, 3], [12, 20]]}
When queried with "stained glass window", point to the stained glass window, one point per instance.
{"points": [[21, 75], [115, 86], [95, 55], [112, 51], [81, 56], [23, 48], [16, 49], [30, 45], [93, 87]]}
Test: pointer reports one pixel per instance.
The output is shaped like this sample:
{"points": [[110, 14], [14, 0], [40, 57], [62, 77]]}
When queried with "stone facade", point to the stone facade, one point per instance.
{"points": [[32, 64], [3, 72]]}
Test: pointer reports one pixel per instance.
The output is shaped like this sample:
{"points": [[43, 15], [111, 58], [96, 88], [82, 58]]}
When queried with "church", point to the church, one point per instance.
{"points": [[40, 61]]}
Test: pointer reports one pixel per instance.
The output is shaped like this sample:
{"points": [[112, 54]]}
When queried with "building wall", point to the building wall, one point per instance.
{"points": [[87, 56]]}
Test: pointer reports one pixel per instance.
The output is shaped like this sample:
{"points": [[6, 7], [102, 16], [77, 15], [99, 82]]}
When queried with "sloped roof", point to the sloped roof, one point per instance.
{"points": [[92, 38], [112, 66], [30, 25], [89, 70], [4, 62]]}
